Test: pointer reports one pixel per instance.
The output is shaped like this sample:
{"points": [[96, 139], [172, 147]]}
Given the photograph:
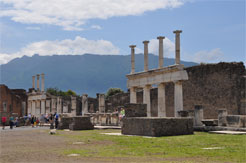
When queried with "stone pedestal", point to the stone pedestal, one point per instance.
{"points": [[222, 113], [81, 123], [198, 115], [178, 98], [145, 126], [161, 100], [146, 99]]}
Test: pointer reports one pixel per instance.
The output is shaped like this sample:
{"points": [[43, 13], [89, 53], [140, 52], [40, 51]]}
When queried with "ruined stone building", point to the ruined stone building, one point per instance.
{"points": [[41, 102], [214, 86], [13, 102]]}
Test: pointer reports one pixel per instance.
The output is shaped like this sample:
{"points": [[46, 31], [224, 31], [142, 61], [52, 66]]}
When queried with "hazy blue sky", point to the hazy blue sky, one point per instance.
{"points": [[213, 30]]}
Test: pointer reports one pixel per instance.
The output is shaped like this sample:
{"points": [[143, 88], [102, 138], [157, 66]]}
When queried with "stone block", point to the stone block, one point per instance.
{"points": [[64, 122], [81, 123], [154, 126], [222, 113], [135, 110], [236, 120]]}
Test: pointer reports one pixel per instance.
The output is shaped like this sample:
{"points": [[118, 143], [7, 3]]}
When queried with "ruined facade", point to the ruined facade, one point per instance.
{"points": [[214, 86], [41, 102], [13, 102]]}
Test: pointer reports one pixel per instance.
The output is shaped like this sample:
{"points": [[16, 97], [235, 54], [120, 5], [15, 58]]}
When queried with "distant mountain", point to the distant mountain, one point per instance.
{"points": [[87, 73]]}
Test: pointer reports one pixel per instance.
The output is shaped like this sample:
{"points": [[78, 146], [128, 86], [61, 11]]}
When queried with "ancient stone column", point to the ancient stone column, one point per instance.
{"points": [[33, 108], [198, 115], [84, 104], [160, 38], [43, 106], [42, 84], [146, 99], [133, 95], [59, 105], [132, 58], [73, 106], [101, 103], [177, 46], [161, 100], [146, 55], [33, 82], [178, 97], [38, 82]]}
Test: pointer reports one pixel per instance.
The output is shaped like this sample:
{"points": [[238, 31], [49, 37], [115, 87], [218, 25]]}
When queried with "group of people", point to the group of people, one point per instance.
{"points": [[33, 120], [12, 122]]}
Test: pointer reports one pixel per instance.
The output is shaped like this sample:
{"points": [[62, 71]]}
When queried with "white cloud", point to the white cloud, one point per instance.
{"points": [[33, 28], [72, 14], [168, 45], [72, 47], [214, 55], [96, 27]]}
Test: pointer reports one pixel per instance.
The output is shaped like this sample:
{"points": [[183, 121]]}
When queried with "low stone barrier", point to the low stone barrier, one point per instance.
{"points": [[64, 122], [154, 126], [81, 123], [236, 120], [104, 119]]}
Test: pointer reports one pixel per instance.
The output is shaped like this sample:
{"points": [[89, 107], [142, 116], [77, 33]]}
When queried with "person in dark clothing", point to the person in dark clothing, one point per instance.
{"points": [[56, 120], [32, 121], [51, 121]]}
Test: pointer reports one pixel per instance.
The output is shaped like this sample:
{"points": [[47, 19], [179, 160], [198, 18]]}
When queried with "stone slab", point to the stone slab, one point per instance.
{"points": [[64, 123], [228, 132], [154, 126]]}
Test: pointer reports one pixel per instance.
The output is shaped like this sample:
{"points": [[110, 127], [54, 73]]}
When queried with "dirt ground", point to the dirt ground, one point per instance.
{"points": [[37, 145]]}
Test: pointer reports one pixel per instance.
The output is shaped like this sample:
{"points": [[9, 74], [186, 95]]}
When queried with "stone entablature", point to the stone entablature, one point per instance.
{"points": [[163, 75]]}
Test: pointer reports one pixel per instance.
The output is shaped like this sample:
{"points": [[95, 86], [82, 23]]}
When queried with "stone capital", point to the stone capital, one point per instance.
{"points": [[177, 31], [38, 76], [160, 37], [146, 42], [132, 46]]}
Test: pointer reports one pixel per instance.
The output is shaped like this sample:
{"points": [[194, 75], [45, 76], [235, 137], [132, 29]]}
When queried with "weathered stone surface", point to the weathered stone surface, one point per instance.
{"points": [[236, 120], [136, 110], [210, 122], [81, 123], [154, 126], [64, 122]]}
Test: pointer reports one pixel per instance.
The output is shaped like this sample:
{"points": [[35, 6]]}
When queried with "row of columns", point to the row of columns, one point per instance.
{"points": [[178, 98], [178, 91], [161, 52], [42, 83]]}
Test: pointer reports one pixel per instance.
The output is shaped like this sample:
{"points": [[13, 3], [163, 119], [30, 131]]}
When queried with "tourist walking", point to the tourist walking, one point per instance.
{"points": [[32, 121], [4, 119], [51, 121], [11, 122], [56, 120]]}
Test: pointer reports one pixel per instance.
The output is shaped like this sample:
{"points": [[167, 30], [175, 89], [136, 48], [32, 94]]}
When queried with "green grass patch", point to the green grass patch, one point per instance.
{"points": [[190, 147]]}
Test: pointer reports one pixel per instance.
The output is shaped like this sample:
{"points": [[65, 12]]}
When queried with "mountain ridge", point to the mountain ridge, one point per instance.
{"points": [[88, 73]]}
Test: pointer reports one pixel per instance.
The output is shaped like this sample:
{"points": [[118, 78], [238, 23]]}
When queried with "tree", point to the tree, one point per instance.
{"points": [[57, 92], [113, 91]]}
